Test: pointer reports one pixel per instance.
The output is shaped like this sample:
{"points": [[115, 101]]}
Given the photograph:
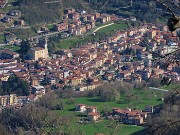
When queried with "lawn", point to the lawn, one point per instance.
{"points": [[67, 43], [114, 27], [172, 87], [142, 100], [8, 6], [22, 33], [107, 127], [1, 38], [11, 47], [138, 101], [50, 26]]}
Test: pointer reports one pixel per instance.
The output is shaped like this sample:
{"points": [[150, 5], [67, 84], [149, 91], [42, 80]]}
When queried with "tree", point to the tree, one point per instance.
{"points": [[16, 85], [48, 101], [109, 93], [155, 82], [59, 105], [25, 47], [32, 118], [167, 122]]}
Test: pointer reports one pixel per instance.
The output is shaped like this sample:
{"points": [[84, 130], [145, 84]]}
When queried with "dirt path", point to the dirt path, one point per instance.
{"points": [[103, 27]]}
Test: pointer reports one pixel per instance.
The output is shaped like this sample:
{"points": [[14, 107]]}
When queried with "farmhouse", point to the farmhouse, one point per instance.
{"points": [[128, 116]]}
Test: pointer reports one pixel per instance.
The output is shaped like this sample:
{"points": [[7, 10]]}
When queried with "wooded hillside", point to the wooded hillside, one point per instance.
{"points": [[41, 11]]}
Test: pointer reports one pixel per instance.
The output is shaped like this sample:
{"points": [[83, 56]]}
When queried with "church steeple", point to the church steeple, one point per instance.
{"points": [[46, 48]]}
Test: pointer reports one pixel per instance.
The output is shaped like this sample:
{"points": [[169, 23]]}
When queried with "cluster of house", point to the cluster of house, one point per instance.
{"points": [[90, 111], [127, 116], [17, 102], [132, 116], [88, 66], [77, 23], [12, 16]]}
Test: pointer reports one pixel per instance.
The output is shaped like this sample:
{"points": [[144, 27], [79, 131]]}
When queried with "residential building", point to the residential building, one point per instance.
{"points": [[8, 99], [36, 89], [63, 26], [128, 116], [93, 116], [91, 109], [81, 108], [7, 54]]}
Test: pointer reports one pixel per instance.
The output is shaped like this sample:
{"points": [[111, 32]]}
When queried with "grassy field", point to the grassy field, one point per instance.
{"points": [[1, 38], [142, 99], [11, 47], [114, 27], [22, 33], [72, 41], [172, 87], [139, 101], [107, 128], [50, 26], [67, 43]]}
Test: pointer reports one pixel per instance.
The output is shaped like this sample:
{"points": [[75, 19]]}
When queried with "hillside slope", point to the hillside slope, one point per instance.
{"points": [[142, 9], [40, 11]]}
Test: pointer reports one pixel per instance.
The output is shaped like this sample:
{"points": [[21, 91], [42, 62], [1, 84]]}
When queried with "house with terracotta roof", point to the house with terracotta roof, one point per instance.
{"points": [[74, 16], [91, 109], [75, 80], [93, 116], [125, 73], [158, 71], [96, 15], [4, 77], [129, 116], [69, 10], [7, 54], [76, 31], [90, 17], [8, 99], [63, 26], [81, 108]]}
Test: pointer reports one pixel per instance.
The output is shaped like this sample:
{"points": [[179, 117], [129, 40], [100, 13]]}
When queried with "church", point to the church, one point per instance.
{"points": [[40, 52]]}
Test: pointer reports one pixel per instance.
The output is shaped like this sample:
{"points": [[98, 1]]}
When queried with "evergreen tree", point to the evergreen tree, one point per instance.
{"points": [[25, 47]]}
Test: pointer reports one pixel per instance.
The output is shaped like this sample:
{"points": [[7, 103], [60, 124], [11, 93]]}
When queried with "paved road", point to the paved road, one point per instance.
{"points": [[47, 35], [51, 2], [19, 27], [1, 45], [153, 88]]}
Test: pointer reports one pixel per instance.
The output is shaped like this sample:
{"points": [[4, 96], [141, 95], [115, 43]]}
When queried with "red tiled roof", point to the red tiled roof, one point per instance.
{"points": [[93, 114], [81, 105], [91, 107]]}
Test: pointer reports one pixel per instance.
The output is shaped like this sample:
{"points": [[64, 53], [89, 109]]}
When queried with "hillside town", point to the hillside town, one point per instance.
{"points": [[133, 55], [74, 23]]}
